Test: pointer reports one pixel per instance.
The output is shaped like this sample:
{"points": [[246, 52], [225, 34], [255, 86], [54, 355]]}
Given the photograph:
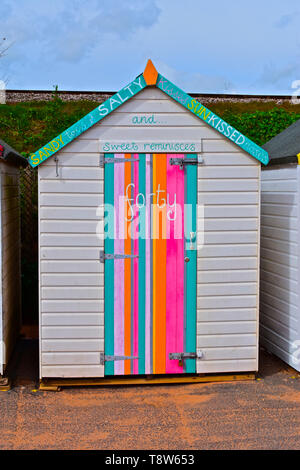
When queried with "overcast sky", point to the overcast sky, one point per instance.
{"points": [[203, 46]]}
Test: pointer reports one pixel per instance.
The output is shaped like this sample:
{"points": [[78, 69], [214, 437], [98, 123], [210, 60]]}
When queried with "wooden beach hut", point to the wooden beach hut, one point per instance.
{"points": [[149, 220]]}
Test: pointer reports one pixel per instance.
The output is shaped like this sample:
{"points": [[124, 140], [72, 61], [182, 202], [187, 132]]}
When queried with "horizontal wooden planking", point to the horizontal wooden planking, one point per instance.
{"points": [[90, 266], [72, 186], [72, 173], [146, 105], [279, 327], [73, 280], [69, 226], [73, 358], [234, 301], [285, 344], [238, 223], [226, 314], [285, 210], [229, 184], [288, 199], [273, 302], [72, 319], [162, 118], [72, 213], [230, 275], [218, 172], [70, 253], [71, 159], [221, 145], [286, 186], [228, 159], [226, 288], [72, 306], [290, 248], [224, 198], [222, 211], [230, 237], [78, 332], [278, 351], [226, 328], [278, 315], [72, 345], [280, 281], [71, 293], [152, 93], [72, 199], [290, 223], [280, 292], [72, 371], [225, 353], [277, 268], [279, 173], [279, 258], [222, 263], [146, 133], [236, 365], [71, 239], [227, 251]]}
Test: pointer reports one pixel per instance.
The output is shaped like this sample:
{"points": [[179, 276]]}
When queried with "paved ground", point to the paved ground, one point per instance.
{"points": [[262, 414]]}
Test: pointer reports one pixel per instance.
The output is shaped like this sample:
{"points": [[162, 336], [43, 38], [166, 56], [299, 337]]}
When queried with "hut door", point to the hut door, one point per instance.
{"points": [[150, 264]]}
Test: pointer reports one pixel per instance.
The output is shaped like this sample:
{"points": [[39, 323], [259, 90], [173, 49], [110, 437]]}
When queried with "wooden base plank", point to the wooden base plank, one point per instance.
{"points": [[57, 384], [5, 384]]}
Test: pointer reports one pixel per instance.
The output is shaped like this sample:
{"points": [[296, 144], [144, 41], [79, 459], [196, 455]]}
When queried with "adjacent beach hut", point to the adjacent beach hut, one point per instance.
{"points": [[135, 295], [10, 246], [280, 255]]}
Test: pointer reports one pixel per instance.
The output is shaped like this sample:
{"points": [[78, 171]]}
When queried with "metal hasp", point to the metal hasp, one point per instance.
{"points": [[104, 160], [186, 161], [185, 355], [104, 358], [104, 256]]}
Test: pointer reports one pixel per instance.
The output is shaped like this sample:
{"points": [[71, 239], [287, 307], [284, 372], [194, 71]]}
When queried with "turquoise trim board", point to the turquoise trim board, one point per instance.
{"points": [[87, 121], [191, 104]]}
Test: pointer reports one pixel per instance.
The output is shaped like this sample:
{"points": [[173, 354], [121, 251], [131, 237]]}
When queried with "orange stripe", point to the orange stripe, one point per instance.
{"points": [[160, 255], [127, 275]]}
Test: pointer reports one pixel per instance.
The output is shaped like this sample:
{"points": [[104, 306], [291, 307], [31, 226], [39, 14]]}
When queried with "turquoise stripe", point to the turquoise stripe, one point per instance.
{"points": [[191, 266], [142, 262], [109, 269]]}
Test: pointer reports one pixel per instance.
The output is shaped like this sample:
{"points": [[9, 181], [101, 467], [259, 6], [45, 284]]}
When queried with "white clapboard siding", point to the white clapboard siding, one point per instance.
{"points": [[279, 305], [10, 296], [227, 264]]}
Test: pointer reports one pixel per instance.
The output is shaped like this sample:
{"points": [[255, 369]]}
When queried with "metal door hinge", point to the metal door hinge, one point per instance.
{"points": [[105, 358], [186, 161], [185, 355], [104, 256], [104, 160]]}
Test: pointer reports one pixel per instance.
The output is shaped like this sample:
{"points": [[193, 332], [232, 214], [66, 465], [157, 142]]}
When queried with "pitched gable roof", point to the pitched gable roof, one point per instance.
{"points": [[10, 155], [149, 77], [285, 146]]}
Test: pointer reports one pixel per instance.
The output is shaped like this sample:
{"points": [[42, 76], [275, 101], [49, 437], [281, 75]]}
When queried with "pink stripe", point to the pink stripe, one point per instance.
{"points": [[175, 267], [119, 266], [147, 319], [136, 271]]}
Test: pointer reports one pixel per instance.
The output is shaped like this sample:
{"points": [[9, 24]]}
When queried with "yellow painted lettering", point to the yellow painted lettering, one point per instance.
{"points": [[192, 104]]}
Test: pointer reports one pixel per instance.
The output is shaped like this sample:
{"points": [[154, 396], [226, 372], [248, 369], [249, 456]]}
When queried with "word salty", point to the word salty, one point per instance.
{"points": [[144, 120], [123, 95]]}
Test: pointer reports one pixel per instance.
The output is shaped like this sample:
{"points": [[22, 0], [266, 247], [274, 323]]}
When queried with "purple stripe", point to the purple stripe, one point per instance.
{"points": [[119, 265]]}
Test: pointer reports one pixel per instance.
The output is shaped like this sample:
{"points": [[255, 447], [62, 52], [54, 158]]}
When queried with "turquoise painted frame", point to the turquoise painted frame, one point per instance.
{"points": [[130, 90]]}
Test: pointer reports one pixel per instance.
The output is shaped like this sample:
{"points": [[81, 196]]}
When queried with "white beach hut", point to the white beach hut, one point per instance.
{"points": [[126, 306]]}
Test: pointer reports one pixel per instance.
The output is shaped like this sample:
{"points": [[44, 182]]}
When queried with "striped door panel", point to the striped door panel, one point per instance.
{"points": [[150, 300]]}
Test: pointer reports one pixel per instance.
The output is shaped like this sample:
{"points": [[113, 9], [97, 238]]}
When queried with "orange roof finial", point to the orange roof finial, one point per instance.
{"points": [[150, 73]]}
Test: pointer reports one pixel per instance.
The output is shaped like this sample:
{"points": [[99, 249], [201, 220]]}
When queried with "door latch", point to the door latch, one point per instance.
{"points": [[104, 256], [105, 358], [185, 355], [186, 161]]}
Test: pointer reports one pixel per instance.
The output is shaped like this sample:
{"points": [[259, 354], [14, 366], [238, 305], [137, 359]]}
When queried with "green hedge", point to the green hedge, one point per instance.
{"points": [[29, 126]]}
